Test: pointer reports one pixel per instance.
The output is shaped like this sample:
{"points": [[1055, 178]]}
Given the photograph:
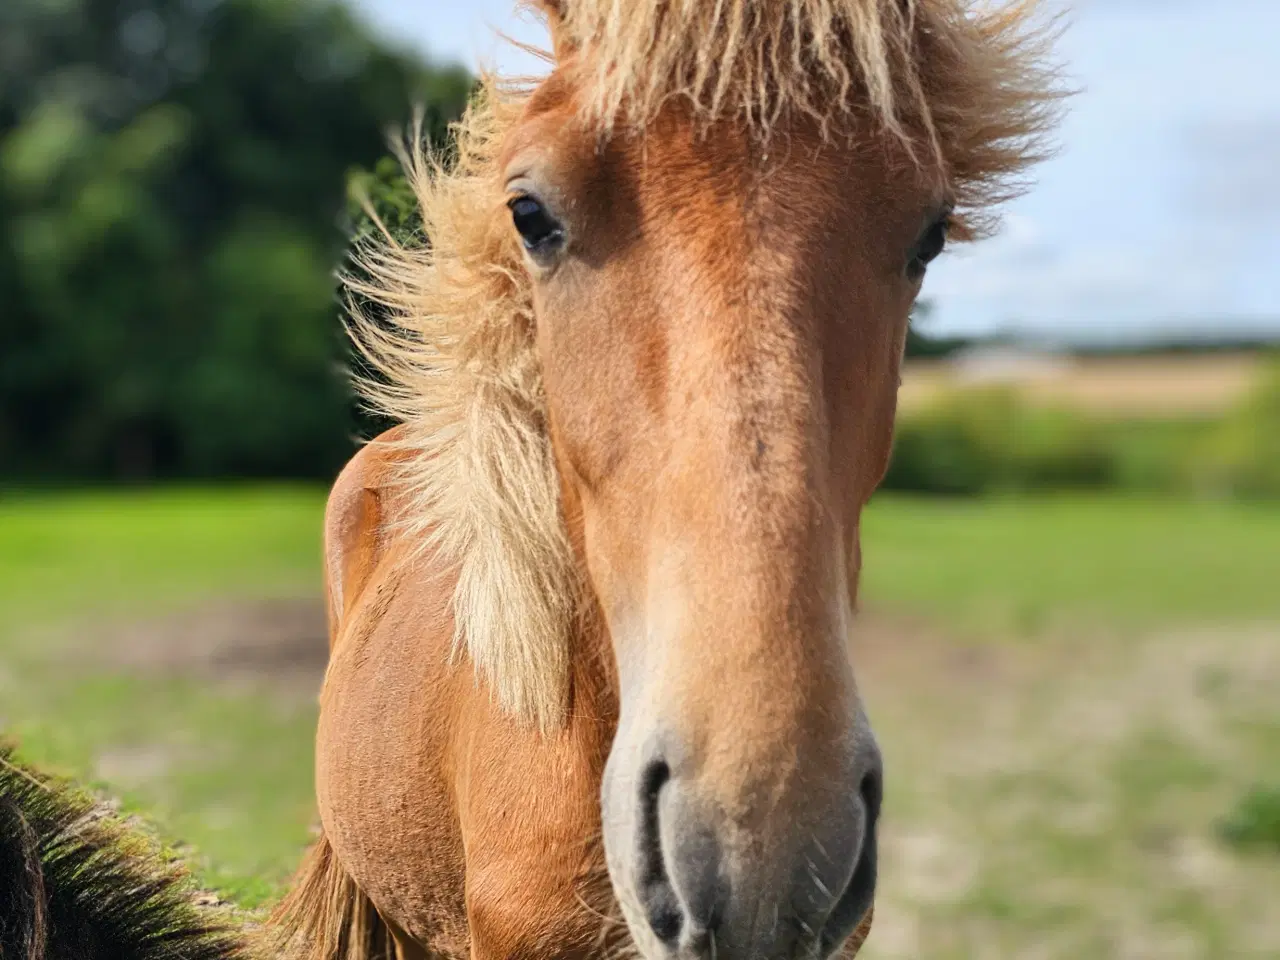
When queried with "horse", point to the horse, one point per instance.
{"points": [[591, 690], [77, 883]]}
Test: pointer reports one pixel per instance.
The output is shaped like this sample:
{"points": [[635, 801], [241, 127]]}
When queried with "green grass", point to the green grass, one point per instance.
{"points": [[147, 550], [1018, 566], [1053, 825]]}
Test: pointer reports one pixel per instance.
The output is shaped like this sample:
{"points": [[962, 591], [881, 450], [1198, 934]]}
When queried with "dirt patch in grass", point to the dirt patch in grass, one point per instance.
{"points": [[917, 649], [279, 643], [132, 765], [1061, 797]]}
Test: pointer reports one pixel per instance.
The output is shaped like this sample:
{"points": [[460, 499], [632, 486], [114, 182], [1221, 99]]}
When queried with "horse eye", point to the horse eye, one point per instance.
{"points": [[539, 230], [929, 247]]}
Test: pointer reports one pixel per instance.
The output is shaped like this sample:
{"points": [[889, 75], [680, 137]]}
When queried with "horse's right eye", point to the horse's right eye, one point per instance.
{"points": [[929, 247], [540, 232]]}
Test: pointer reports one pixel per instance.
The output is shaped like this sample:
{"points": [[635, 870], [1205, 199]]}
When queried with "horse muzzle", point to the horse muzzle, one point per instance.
{"points": [[742, 875]]}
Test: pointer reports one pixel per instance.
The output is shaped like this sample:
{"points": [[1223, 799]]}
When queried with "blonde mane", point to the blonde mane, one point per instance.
{"points": [[453, 352]]}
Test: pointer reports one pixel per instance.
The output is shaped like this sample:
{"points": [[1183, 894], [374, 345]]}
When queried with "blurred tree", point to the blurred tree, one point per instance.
{"points": [[920, 344], [385, 192], [171, 200], [380, 202]]}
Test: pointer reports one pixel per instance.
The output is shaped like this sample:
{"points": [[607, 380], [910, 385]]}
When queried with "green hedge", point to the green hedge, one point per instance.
{"points": [[1242, 457], [990, 440]]}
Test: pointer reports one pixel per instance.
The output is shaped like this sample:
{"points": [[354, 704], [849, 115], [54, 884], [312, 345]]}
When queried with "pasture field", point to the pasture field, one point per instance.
{"points": [[1071, 694], [1089, 687]]}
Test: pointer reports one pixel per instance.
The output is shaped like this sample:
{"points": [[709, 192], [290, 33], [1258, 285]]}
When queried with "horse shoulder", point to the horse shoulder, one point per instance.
{"points": [[387, 709], [356, 525]]}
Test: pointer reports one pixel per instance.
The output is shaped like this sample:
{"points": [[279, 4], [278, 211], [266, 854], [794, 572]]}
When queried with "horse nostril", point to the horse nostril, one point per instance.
{"points": [[664, 919], [871, 789], [662, 908], [853, 905]]}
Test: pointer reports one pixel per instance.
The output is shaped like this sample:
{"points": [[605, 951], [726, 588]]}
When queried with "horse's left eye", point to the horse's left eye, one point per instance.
{"points": [[540, 232], [928, 248]]}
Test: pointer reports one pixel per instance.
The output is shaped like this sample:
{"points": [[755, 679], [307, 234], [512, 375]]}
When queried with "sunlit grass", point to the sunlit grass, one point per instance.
{"points": [[1020, 566], [146, 550]]}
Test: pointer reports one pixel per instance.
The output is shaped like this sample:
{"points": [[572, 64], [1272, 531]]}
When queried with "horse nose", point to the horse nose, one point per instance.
{"points": [[701, 898]]}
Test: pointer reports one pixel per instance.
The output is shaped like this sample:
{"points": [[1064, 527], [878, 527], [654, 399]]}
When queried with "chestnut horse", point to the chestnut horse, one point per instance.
{"points": [[590, 690]]}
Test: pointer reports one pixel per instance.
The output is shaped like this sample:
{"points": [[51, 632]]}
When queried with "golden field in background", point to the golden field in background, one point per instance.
{"points": [[1171, 385]]}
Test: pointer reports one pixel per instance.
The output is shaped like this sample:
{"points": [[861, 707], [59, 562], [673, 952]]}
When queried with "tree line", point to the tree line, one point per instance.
{"points": [[172, 209]]}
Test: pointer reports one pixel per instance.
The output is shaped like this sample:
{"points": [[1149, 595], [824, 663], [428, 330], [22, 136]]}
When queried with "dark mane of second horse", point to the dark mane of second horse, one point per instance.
{"points": [[76, 883]]}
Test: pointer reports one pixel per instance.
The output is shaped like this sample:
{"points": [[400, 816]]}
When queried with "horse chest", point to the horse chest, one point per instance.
{"points": [[384, 800], [477, 839]]}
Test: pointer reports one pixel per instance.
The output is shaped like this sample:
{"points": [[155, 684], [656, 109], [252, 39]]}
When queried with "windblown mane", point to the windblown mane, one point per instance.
{"points": [[451, 338], [77, 884], [972, 80]]}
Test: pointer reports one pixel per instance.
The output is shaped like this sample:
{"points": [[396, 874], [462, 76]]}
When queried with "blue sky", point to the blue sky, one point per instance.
{"points": [[1162, 210]]}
